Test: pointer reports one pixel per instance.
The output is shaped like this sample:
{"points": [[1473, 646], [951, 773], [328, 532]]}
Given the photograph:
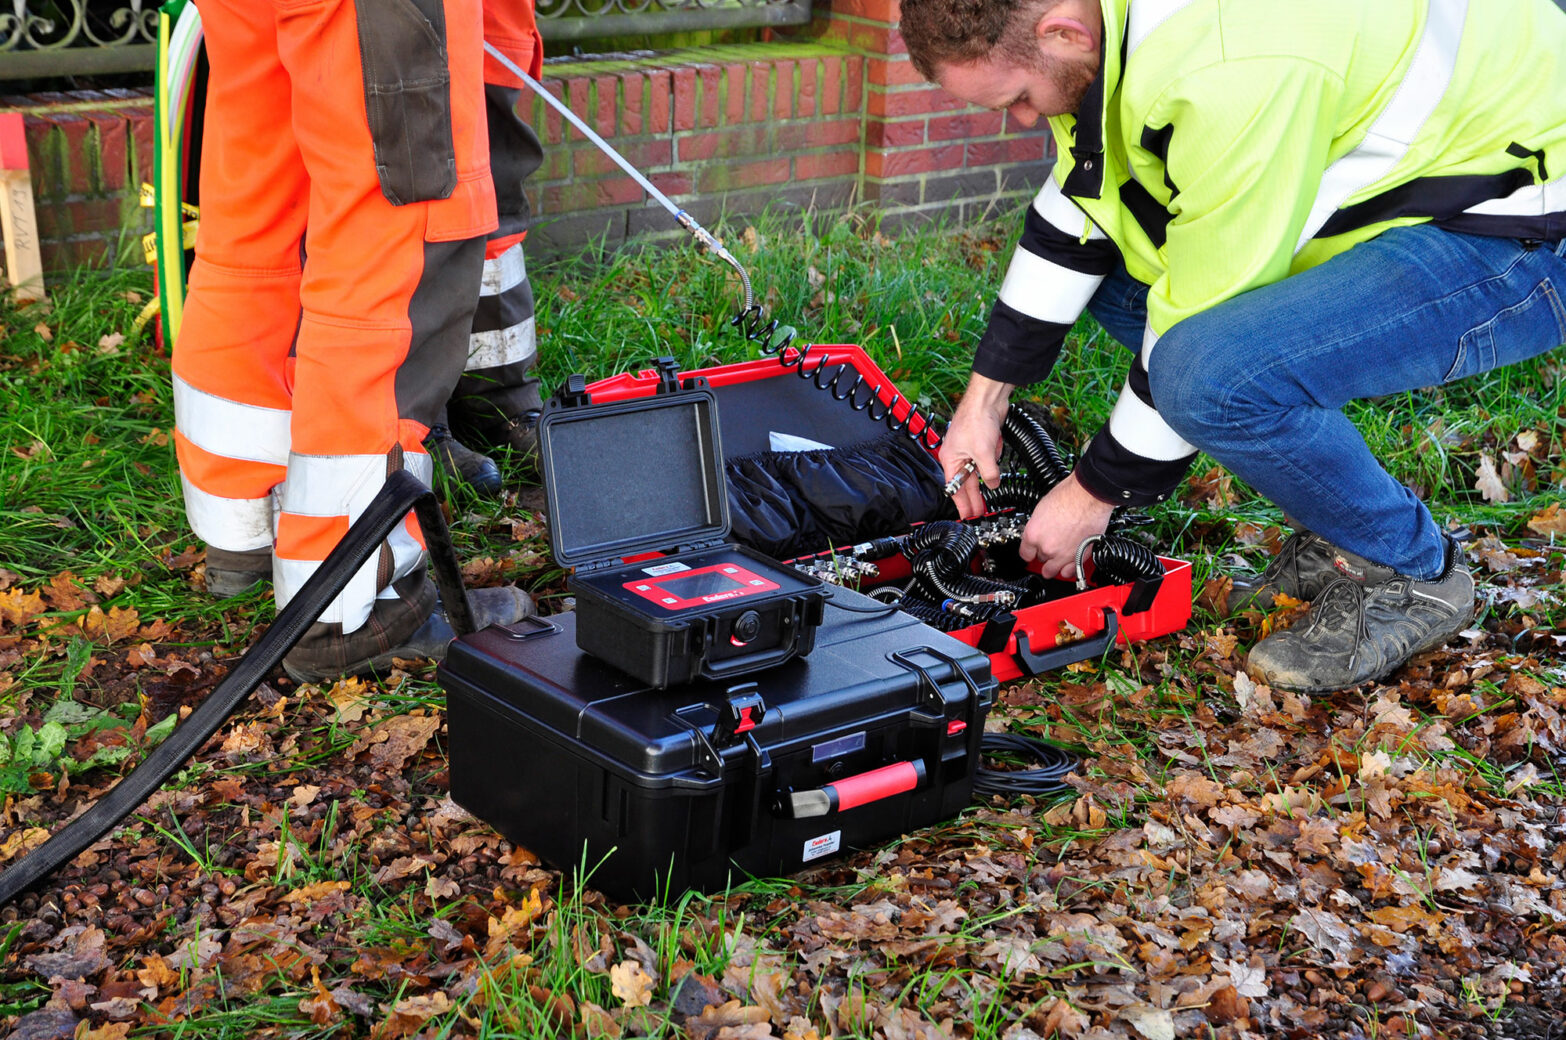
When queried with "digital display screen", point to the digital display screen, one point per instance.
{"points": [[699, 585]]}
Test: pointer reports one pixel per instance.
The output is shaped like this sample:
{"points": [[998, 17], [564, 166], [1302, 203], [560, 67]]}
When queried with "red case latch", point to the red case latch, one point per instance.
{"points": [[741, 712]]}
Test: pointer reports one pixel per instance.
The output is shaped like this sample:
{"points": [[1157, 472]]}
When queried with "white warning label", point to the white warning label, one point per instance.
{"points": [[825, 845]]}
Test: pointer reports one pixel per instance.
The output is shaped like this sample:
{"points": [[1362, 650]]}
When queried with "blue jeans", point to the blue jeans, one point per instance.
{"points": [[1259, 382]]}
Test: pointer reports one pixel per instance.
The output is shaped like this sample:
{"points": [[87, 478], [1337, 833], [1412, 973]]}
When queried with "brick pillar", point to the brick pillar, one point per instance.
{"points": [[90, 151], [926, 154]]}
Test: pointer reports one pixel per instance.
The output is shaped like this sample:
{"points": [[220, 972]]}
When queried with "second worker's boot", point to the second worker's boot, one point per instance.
{"points": [[458, 460]]}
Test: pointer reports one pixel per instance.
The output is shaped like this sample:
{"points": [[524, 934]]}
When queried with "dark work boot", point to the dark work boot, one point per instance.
{"points": [[1305, 565], [478, 471], [498, 410], [231, 573], [1356, 633], [321, 661]]}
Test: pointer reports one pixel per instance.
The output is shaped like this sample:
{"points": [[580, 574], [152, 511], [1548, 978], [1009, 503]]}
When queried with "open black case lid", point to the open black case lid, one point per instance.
{"points": [[630, 477]]}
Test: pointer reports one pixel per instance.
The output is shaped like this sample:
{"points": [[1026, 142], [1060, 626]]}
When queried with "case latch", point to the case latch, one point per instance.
{"points": [[668, 370], [740, 713], [573, 392]]}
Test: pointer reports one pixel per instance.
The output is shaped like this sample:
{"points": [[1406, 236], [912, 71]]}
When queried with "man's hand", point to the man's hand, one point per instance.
{"points": [[1061, 522], [975, 436]]}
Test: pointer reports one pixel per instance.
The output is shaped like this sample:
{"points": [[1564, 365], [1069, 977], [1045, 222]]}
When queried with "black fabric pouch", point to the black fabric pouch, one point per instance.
{"points": [[791, 503], [407, 97]]}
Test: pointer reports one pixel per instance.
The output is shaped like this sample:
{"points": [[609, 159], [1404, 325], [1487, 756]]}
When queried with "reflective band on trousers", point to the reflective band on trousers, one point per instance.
{"points": [[235, 524], [502, 346], [230, 429], [1388, 139], [506, 271], [505, 276], [343, 486]]}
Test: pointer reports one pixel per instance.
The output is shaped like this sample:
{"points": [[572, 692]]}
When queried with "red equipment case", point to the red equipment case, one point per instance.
{"points": [[1126, 613]]}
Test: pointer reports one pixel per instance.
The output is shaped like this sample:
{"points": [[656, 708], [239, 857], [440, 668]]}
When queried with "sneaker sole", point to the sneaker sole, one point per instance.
{"points": [[1430, 644]]}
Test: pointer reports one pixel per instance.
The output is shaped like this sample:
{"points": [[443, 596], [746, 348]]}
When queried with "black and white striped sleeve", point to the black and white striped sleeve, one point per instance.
{"points": [[1136, 459], [1057, 267]]}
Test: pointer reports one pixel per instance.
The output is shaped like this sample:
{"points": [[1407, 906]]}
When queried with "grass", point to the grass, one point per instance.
{"points": [[88, 485]]}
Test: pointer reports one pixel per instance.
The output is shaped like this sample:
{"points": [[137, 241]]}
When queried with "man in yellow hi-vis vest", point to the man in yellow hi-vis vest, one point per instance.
{"points": [[1279, 208]]}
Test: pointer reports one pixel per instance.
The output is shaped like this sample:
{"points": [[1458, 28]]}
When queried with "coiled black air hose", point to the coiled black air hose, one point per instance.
{"points": [[1015, 491], [940, 553], [1117, 560], [1024, 433]]}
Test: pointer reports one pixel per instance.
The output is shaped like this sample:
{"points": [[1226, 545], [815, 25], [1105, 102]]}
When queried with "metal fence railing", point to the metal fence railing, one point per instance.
{"points": [[47, 38], [569, 21], [40, 38]]}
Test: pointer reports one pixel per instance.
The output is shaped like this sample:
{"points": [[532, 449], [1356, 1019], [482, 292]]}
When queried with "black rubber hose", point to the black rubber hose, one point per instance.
{"points": [[1015, 491], [940, 553], [1054, 764], [401, 491], [943, 620], [1117, 560], [1033, 442]]}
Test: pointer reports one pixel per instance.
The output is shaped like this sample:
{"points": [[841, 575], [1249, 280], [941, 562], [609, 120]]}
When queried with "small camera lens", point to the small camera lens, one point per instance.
{"points": [[747, 626]]}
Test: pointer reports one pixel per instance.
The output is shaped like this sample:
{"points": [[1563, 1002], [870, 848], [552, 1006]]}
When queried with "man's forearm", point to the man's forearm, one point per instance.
{"points": [[985, 396]]}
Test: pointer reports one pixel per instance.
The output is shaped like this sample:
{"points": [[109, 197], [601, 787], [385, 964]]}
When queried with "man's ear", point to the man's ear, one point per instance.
{"points": [[1061, 30]]}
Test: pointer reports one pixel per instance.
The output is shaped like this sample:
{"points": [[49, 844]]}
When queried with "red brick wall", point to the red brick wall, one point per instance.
{"points": [[89, 152], [926, 155], [817, 120], [729, 129]]}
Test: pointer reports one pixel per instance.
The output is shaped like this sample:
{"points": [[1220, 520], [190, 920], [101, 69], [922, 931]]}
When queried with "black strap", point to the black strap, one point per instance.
{"points": [[401, 492]]}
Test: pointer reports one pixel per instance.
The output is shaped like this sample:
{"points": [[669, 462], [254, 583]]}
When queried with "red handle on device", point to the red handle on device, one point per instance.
{"points": [[854, 791]]}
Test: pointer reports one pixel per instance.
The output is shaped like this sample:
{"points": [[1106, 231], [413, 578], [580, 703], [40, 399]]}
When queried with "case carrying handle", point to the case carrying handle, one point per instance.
{"points": [[853, 791], [1032, 663]]}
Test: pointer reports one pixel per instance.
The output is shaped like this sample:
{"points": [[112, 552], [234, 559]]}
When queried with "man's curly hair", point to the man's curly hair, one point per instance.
{"points": [[947, 32]]}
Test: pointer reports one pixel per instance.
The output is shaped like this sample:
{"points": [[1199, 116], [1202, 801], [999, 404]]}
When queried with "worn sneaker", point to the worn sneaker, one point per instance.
{"points": [[1356, 633], [1305, 565], [231, 573], [498, 606], [479, 471]]}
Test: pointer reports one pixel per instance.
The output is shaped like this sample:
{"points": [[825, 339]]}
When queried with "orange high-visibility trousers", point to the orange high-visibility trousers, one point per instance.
{"points": [[311, 364]]}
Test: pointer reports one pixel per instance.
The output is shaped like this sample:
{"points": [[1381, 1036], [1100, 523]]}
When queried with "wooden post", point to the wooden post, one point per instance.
{"points": [[18, 220]]}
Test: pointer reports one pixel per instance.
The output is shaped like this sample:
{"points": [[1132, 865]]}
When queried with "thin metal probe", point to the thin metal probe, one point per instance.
{"points": [[703, 237]]}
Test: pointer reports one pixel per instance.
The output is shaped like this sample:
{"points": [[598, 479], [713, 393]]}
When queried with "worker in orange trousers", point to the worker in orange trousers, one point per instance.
{"points": [[346, 199]]}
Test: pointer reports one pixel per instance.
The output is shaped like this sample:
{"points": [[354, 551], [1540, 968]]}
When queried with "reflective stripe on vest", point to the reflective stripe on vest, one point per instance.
{"points": [[1147, 15], [1063, 214], [1536, 200], [1040, 288], [1140, 429], [1387, 141]]}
